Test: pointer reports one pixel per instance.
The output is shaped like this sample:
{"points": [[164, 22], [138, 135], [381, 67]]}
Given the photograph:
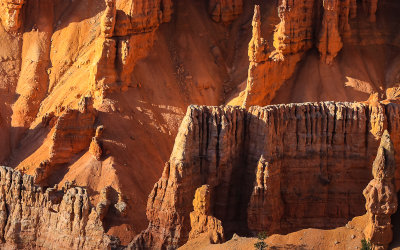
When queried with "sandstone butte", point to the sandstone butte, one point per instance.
{"points": [[165, 124]]}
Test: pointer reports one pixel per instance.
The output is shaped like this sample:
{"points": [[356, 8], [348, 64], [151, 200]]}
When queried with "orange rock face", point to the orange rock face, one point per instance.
{"points": [[133, 66], [302, 27], [381, 197], [276, 169]]}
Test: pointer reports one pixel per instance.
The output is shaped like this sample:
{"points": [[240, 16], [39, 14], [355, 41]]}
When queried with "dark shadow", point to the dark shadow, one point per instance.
{"points": [[396, 227]]}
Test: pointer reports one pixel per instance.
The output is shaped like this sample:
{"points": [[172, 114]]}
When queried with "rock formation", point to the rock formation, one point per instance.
{"points": [[11, 14], [293, 36], [381, 197], [143, 16], [108, 19], [266, 207], [330, 43], [201, 220], [53, 53], [370, 7], [32, 217], [276, 169], [268, 69], [95, 147], [125, 40], [225, 11], [71, 134]]}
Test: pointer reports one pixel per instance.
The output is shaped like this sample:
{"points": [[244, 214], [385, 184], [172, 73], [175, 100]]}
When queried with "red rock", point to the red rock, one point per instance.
{"points": [[201, 219], [11, 15], [330, 42], [297, 154], [381, 197], [108, 18]]}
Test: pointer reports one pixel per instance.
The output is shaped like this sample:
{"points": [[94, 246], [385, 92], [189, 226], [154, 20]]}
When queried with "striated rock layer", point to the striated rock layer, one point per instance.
{"points": [[35, 218], [277, 169]]}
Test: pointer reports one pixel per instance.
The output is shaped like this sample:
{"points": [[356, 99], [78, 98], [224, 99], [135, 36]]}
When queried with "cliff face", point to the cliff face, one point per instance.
{"points": [[276, 169], [306, 27], [36, 218]]}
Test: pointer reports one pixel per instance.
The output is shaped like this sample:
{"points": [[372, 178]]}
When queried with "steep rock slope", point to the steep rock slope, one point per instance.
{"points": [[277, 169]]}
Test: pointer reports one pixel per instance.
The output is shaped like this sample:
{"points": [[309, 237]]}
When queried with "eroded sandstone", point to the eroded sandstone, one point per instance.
{"points": [[225, 11], [276, 169], [35, 218], [380, 195]]}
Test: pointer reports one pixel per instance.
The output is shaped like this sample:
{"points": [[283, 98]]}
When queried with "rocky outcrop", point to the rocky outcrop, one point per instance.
{"points": [[95, 147], [71, 134], [303, 25], [108, 19], [269, 68], [330, 43], [11, 15], [35, 218], [266, 207], [142, 16], [225, 11], [201, 220], [36, 61], [381, 196], [279, 168], [127, 36]]}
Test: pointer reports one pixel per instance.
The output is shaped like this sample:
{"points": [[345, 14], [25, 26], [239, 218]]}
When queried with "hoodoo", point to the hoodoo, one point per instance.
{"points": [[160, 124]]}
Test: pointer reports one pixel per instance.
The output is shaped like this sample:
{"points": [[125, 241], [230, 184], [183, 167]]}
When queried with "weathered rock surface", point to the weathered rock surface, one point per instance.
{"points": [[11, 14], [276, 169], [108, 18], [70, 134], [35, 218], [225, 10], [330, 43], [95, 147], [303, 25], [381, 196], [50, 48], [201, 219], [142, 16]]}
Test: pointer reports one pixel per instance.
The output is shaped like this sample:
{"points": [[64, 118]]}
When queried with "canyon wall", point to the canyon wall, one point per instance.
{"points": [[278, 169], [142, 62]]}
